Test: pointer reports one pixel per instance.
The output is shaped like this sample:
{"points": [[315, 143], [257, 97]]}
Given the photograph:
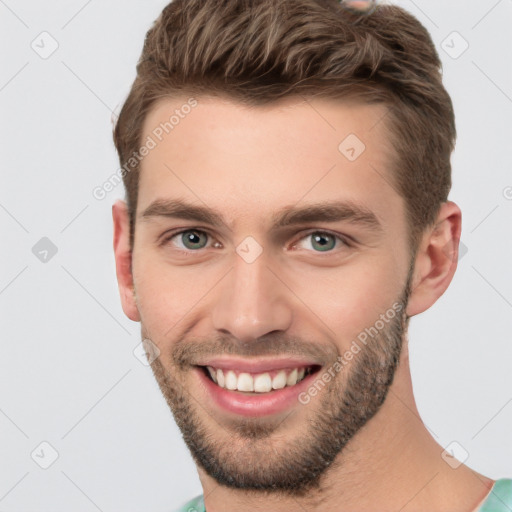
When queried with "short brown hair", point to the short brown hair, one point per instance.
{"points": [[258, 51]]}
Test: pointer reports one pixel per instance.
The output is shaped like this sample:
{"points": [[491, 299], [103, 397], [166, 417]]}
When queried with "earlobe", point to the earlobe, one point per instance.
{"points": [[436, 259], [123, 259]]}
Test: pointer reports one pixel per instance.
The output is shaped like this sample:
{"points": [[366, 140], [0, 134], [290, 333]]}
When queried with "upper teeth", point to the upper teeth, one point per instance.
{"points": [[258, 382]]}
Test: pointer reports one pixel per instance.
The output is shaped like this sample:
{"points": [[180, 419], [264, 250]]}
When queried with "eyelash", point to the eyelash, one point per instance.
{"points": [[343, 239]]}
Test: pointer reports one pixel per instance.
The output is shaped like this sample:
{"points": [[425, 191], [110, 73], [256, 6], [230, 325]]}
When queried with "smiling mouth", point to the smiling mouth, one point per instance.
{"points": [[264, 382]]}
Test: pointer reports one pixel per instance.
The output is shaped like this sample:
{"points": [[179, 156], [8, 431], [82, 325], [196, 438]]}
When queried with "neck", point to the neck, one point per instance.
{"points": [[393, 463]]}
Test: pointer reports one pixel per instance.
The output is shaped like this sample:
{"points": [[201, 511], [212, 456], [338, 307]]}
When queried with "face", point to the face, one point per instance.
{"points": [[271, 270]]}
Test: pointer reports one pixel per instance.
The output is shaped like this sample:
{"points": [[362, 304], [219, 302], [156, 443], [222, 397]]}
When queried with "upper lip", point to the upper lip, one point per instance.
{"points": [[258, 365]]}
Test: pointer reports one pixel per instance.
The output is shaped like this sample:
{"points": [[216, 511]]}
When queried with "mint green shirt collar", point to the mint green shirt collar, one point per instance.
{"points": [[498, 500]]}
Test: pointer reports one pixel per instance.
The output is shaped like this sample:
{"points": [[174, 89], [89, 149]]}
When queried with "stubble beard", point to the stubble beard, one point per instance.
{"points": [[254, 455]]}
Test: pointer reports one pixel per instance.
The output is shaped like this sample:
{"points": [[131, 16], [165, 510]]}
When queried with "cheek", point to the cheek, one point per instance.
{"points": [[350, 298], [166, 294]]}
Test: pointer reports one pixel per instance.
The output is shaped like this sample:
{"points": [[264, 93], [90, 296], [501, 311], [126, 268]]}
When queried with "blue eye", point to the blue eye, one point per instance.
{"points": [[191, 239], [322, 241], [195, 239]]}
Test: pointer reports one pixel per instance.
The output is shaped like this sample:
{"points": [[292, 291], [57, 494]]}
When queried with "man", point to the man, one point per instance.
{"points": [[287, 168]]}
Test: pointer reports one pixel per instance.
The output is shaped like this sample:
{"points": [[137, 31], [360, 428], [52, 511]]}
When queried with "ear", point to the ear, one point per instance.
{"points": [[436, 259], [123, 257]]}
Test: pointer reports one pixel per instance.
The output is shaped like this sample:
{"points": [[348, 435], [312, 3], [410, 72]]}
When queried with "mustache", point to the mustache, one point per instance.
{"points": [[190, 352]]}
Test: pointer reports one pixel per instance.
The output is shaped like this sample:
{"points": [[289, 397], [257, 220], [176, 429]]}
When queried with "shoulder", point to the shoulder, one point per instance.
{"points": [[195, 505], [500, 497]]}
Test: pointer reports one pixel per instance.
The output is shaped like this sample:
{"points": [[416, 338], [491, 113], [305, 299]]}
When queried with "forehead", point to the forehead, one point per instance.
{"points": [[251, 161]]}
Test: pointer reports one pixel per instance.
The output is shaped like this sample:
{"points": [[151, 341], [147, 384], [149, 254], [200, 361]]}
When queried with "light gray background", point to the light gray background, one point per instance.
{"points": [[67, 369]]}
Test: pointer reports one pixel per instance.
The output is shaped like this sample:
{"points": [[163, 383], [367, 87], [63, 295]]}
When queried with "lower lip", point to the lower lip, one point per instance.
{"points": [[256, 404]]}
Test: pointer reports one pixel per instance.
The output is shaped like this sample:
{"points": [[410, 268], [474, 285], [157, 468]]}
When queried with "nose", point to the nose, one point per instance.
{"points": [[253, 301]]}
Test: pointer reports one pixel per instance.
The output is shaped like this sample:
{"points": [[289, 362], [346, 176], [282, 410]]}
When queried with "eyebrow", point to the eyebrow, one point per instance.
{"points": [[178, 209], [331, 211]]}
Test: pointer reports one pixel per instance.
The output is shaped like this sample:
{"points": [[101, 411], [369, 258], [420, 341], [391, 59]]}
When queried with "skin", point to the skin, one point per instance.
{"points": [[248, 163]]}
